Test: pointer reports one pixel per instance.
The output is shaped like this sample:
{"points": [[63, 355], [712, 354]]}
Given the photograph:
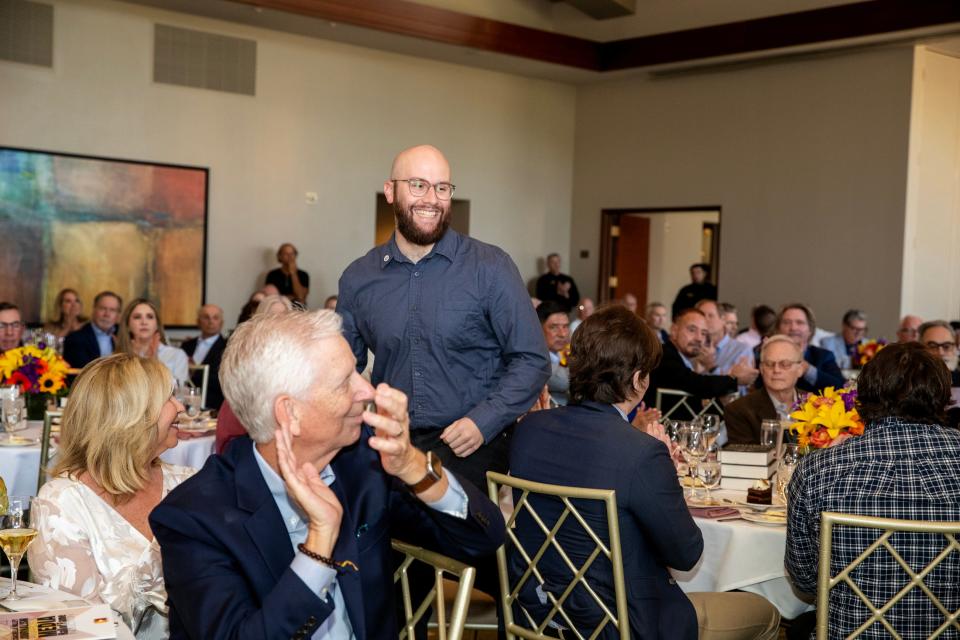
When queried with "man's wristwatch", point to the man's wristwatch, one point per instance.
{"points": [[434, 474]]}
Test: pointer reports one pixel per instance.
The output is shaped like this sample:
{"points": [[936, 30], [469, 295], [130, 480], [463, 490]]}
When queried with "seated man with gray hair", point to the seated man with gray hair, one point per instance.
{"points": [[844, 344], [287, 534], [780, 359]]}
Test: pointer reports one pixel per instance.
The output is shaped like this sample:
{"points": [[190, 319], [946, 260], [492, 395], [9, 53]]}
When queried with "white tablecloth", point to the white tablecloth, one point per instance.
{"points": [[46, 598], [190, 453], [746, 556], [19, 465]]}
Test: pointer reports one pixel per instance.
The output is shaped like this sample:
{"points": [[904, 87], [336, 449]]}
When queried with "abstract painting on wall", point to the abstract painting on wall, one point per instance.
{"points": [[95, 224]]}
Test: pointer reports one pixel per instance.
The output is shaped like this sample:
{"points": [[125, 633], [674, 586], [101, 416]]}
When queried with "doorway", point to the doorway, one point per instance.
{"points": [[459, 218], [648, 252]]}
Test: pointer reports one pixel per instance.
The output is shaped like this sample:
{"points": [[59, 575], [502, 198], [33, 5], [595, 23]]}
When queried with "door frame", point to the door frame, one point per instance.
{"points": [[608, 256]]}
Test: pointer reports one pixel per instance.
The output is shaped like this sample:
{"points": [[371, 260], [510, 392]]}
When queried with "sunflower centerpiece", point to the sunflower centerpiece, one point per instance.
{"points": [[39, 372], [827, 419]]}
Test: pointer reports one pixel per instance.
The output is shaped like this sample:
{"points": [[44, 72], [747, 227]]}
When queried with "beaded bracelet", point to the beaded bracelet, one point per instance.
{"points": [[341, 567]]}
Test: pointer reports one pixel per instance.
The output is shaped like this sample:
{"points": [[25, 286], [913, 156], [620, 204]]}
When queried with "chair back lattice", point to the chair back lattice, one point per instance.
{"points": [[684, 399], [558, 619], [48, 417], [890, 526], [434, 599]]}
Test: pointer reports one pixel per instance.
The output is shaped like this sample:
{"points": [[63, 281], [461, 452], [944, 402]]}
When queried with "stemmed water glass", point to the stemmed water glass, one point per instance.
{"points": [[693, 446], [16, 534], [709, 472], [789, 457], [13, 408], [711, 429]]}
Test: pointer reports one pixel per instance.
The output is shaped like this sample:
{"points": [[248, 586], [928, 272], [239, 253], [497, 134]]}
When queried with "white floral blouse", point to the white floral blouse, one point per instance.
{"points": [[85, 547]]}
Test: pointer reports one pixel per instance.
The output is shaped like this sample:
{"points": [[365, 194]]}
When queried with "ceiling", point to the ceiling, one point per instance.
{"points": [[656, 25]]}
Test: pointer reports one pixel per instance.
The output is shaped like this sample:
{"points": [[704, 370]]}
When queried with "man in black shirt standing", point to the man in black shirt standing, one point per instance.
{"points": [[290, 281], [557, 286], [698, 289]]}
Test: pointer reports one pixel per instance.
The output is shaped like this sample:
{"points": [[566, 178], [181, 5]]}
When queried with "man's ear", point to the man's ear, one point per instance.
{"points": [[287, 413], [640, 384], [388, 190]]}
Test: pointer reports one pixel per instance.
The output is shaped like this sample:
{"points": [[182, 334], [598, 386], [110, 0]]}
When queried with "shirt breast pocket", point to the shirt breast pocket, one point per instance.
{"points": [[461, 323]]}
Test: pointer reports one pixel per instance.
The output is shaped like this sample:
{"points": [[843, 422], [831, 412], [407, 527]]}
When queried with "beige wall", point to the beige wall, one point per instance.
{"points": [[931, 275], [327, 118], [807, 160]]}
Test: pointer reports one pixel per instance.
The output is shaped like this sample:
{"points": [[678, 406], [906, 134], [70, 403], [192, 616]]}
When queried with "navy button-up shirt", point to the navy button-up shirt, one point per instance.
{"points": [[456, 331]]}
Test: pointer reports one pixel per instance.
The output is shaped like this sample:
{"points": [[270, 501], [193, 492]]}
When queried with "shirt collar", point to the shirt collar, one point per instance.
{"points": [[209, 340], [686, 362], [447, 247], [97, 331], [723, 342], [276, 485], [620, 411]]}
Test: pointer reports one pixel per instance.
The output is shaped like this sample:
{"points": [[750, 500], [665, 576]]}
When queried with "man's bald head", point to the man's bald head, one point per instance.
{"points": [[210, 320], [421, 219], [411, 163]]}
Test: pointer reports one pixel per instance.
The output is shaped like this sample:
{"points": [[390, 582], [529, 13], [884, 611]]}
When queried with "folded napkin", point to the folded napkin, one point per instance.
{"points": [[712, 512]]}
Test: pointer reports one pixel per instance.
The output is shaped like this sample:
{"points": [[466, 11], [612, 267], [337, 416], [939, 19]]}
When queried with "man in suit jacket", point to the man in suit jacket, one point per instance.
{"points": [[556, 332], [208, 350], [676, 370], [819, 368], [780, 361], [290, 537], [589, 443], [96, 338]]}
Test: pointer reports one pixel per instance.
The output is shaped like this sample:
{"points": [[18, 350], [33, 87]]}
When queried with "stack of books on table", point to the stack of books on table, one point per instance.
{"points": [[743, 464]]}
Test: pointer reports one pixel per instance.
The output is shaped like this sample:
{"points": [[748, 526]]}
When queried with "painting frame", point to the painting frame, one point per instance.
{"points": [[67, 215]]}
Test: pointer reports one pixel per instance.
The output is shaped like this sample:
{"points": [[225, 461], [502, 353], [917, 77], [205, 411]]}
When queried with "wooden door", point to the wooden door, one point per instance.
{"points": [[631, 263]]}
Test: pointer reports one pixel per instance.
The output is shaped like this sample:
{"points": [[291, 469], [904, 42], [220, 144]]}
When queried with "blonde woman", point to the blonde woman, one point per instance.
{"points": [[68, 318], [141, 333], [94, 539]]}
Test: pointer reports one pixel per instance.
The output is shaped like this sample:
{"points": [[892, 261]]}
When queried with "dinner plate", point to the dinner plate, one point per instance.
{"points": [[200, 426], [18, 441], [773, 518], [713, 502]]}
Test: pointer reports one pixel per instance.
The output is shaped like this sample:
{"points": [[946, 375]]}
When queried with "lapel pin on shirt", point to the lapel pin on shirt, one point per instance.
{"points": [[362, 529]]}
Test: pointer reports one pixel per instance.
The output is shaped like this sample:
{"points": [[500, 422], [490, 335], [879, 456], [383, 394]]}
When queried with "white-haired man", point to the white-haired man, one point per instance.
{"points": [[287, 534], [780, 359]]}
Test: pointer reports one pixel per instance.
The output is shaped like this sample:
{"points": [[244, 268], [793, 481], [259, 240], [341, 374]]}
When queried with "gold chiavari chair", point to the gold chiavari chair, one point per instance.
{"points": [[442, 566], [557, 623], [889, 526]]}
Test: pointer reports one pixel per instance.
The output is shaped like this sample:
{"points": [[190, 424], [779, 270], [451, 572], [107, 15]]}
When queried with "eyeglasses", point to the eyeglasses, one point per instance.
{"points": [[15, 326], [941, 346], [781, 364], [419, 187]]}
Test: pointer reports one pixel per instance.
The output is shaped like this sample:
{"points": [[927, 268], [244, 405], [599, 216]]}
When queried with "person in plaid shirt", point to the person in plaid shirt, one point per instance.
{"points": [[905, 465]]}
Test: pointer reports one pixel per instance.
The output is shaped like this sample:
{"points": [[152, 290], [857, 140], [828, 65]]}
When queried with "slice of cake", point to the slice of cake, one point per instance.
{"points": [[760, 493]]}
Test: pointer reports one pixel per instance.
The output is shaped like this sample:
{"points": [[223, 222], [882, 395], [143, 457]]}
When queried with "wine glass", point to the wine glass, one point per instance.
{"points": [[12, 415], [789, 458], [16, 534], [710, 423], [191, 401], [768, 432], [693, 446], [709, 472]]}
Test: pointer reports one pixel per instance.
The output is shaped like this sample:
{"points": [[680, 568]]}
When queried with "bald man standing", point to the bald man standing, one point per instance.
{"points": [[208, 349], [449, 322]]}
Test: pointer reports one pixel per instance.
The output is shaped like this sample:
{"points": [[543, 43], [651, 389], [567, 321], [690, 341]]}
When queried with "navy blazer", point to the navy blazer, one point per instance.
{"points": [[81, 347], [672, 373], [591, 445], [226, 552], [214, 356]]}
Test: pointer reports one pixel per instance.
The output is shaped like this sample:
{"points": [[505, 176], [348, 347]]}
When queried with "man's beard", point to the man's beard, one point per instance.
{"points": [[951, 362], [408, 228]]}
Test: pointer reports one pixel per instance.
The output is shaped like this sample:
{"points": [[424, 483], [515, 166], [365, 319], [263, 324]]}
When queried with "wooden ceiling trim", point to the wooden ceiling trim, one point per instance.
{"points": [[861, 19]]}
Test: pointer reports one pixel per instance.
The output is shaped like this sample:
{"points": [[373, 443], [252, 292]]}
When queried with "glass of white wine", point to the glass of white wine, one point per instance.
{"points": [[16, 534], [13, 409]]}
